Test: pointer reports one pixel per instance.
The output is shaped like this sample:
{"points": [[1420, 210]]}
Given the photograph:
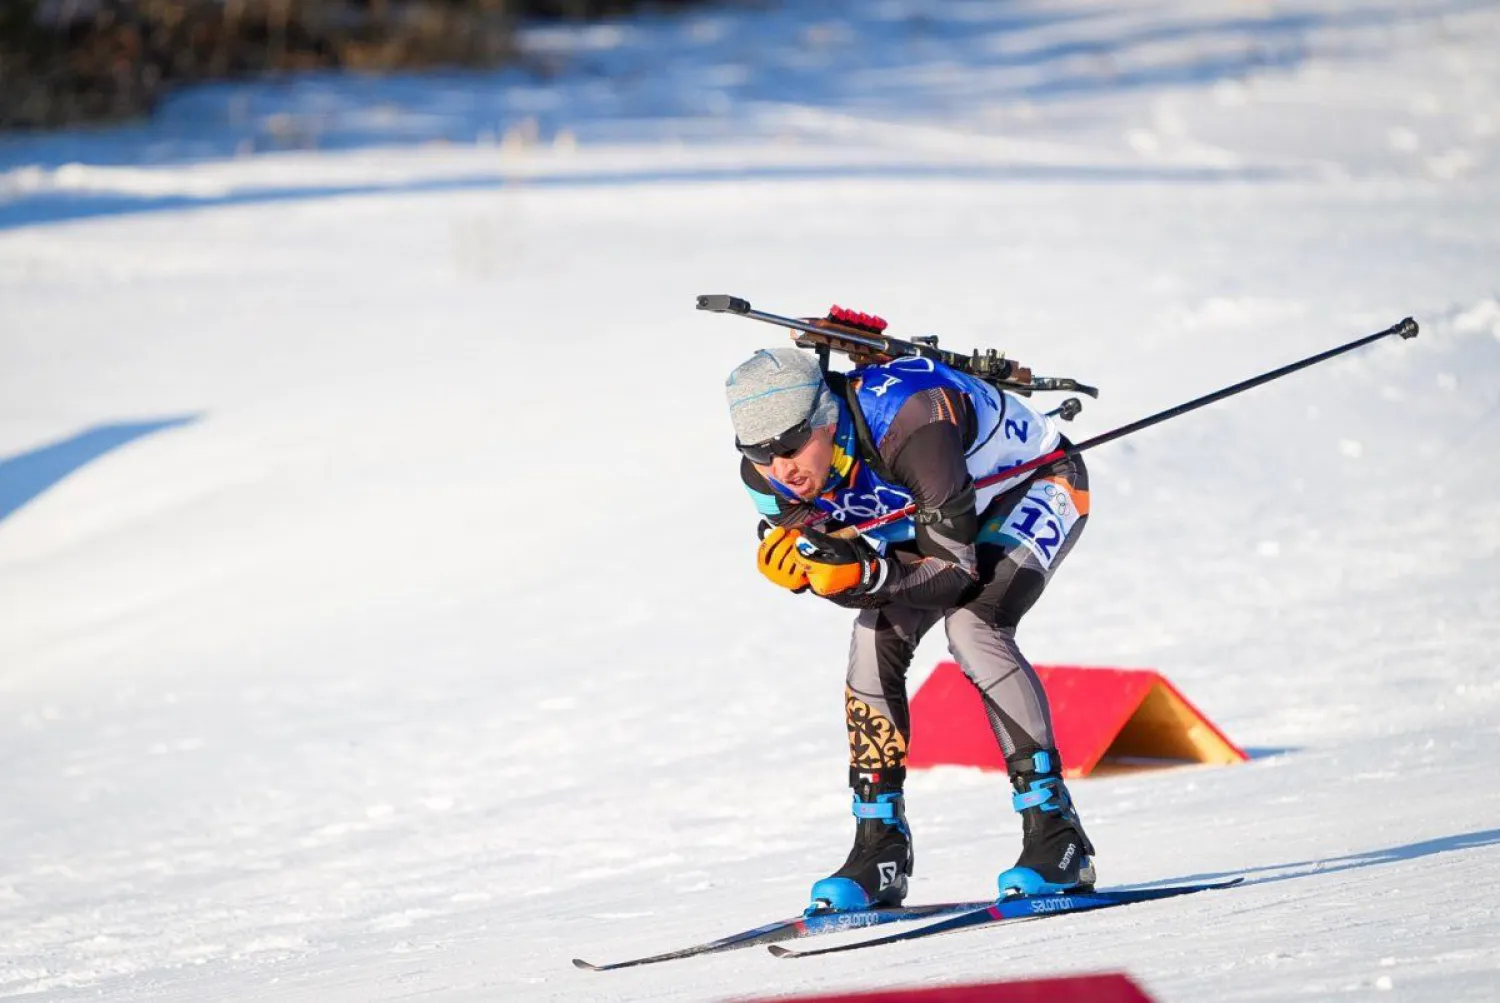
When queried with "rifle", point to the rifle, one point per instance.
{"points": [[862, 338]]}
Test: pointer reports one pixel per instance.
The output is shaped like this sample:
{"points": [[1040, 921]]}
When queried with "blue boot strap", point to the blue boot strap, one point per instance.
{"points": [[886, 806], [1042, 795], [1031, 799]]}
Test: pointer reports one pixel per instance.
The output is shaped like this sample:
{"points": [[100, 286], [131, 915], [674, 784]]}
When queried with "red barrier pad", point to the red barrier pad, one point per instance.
{"points": [[1110, 717], [1110, 988]]}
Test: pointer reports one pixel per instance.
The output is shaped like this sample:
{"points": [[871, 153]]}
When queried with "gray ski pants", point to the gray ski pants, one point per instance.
{"points": [[1024, 535]]}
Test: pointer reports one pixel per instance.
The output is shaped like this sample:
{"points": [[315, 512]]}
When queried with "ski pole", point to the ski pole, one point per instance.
{"points": [[1406, 329]]}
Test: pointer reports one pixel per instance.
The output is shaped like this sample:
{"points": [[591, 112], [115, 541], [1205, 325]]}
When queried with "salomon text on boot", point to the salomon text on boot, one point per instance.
{"points": [[1056, 856], [880, 862]]}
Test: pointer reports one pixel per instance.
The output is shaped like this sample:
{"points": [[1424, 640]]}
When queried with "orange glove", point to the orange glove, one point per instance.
{"points": [[836, 567], [778, 561]]}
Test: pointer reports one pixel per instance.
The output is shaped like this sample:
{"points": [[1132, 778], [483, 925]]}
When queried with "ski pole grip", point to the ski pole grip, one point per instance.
{"points": [[1407, 328], [720, 303]]}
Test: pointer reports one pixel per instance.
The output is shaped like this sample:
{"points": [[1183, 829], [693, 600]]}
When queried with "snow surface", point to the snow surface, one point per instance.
{"points": [[404, 665]]}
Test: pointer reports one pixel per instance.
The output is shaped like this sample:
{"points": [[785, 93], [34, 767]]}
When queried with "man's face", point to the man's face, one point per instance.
{"points": [[805, 470]]}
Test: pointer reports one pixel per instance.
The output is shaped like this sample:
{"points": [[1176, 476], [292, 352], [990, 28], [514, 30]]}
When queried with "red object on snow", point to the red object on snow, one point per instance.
{"points": [[1124, 717], [1114, 987]]}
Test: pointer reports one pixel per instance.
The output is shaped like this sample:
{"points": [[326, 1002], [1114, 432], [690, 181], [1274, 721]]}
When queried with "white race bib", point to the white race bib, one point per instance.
{"points": [[1040, 521]]}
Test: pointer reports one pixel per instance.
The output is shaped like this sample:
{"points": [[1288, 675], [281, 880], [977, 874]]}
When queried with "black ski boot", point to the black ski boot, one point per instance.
{"points": [[1056, 856], [875, 873]]}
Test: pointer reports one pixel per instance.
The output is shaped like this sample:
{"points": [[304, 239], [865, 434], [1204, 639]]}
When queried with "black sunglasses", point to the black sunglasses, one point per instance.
{"points": [[788, 443]]}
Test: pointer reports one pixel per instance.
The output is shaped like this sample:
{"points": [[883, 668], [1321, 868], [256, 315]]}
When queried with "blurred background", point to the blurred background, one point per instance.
{"points": [[73, 62]]}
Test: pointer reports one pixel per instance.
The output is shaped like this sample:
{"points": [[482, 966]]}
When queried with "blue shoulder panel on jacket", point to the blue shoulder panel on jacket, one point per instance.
{"points": [[764, 504]]}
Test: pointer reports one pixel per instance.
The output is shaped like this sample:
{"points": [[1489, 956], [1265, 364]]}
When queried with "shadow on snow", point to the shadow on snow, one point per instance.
{"points": [[59, 207], [1273, 873], [27, 475]]}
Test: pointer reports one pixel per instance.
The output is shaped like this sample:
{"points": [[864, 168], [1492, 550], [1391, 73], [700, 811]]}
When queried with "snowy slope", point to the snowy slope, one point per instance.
{"points": [[409, 667]]}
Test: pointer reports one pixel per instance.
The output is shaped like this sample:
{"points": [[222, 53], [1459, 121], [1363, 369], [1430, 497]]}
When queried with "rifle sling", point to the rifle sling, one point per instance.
{"points": [[869, 450]]}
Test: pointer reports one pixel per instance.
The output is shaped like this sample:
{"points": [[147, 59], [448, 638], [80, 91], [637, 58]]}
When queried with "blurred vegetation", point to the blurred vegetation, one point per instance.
{"points": [[64, 62]]}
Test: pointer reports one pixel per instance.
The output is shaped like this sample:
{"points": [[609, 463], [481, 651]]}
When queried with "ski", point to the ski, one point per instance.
{"points": [[791, 929], [1018, 908]]}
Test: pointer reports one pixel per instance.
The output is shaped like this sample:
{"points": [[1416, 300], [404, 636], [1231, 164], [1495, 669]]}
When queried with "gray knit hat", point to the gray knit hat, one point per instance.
{"points": [[774, 390]]}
